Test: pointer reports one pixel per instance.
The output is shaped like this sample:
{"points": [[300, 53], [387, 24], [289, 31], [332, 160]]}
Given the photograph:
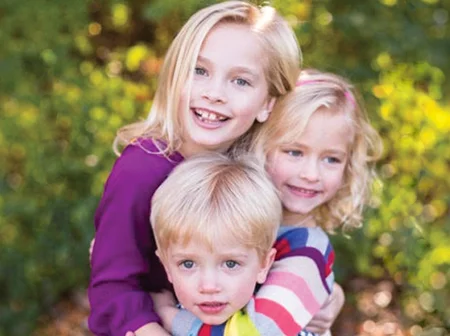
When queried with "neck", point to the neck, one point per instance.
{"points": [[188, 150], [295, 219]]}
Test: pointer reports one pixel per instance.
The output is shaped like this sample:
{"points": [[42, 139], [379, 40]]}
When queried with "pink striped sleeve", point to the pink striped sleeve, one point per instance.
{"points": [[298, 283]]}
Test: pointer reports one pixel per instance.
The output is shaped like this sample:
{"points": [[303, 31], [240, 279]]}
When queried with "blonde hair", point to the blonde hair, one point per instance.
{"points": [[211, 198], [318, 91], [279, 47]]}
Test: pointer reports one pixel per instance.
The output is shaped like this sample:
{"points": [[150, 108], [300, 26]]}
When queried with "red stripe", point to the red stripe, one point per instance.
{"points": [[279, 315], [330, 263], [282, 247], [205, 330]]}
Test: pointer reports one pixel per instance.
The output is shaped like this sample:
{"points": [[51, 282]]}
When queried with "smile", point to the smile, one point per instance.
{"points": [[309, 193], [209, 116]]}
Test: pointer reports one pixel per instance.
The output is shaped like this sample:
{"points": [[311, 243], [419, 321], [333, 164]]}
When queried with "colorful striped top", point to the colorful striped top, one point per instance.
{"points": [[298, 284]]}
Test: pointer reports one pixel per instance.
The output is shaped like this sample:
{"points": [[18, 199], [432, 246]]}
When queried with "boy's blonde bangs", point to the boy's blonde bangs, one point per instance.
{"points": [[279, 47], [212, 198]]}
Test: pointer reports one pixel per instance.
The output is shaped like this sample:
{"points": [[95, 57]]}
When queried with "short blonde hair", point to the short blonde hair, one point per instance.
{"points": [[318, 91], [279, 47], [211, 198]]}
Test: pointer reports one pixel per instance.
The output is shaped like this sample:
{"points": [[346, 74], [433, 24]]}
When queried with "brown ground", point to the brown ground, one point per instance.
{"points": [[370, 310]]}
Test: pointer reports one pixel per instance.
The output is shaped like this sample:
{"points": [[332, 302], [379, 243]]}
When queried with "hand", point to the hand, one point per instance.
{"points": [[162, 300], [323, 320], [165, 306], [150, 329]]}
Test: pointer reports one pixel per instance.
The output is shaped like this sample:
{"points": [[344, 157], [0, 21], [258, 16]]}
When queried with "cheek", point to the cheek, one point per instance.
{"points": [[337, 181], [182, 289], [278, 175], [244, 289], [249, 107], [272, 168]]}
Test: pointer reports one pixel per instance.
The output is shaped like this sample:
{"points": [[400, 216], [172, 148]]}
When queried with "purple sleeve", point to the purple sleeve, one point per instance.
{"points": [[124, 265]]}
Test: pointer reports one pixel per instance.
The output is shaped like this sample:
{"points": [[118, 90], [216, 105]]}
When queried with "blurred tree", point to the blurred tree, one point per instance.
{"points": [[72, 73]]}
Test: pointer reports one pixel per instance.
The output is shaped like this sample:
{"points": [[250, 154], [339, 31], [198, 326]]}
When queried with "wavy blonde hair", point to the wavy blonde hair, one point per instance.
{"points": [[319, 91], [211, 198], [279, 48]]}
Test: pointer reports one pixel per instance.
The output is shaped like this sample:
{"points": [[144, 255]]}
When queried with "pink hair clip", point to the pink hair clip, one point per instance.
{"points": [[350, 97], [306, 81]]}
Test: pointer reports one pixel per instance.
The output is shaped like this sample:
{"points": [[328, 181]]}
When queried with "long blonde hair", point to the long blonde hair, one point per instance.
{"points": [[279, 45], [325, 91]]}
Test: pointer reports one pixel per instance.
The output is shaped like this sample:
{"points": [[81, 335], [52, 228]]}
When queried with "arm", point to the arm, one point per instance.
{"points": [[324, 319], [123, 252], [298, 284], [151, 329]]}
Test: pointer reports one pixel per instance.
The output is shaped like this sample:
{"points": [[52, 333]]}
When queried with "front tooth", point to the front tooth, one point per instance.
{"points": [[210, 116]]}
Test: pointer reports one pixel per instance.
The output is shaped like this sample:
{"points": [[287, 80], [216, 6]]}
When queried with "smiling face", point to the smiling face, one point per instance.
{"points": [[229, 90], [310, 171], [214, 285]]}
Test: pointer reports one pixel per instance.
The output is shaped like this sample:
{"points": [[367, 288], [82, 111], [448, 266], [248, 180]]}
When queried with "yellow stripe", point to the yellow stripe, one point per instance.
{"points": [[240, 325]]}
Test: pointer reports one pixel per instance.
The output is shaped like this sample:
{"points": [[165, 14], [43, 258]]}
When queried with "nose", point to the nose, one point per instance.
{"points": [[309, 170], [214, 91], [209, 282]]}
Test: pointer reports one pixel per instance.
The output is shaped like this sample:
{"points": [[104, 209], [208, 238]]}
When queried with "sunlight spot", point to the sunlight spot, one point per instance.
{"points": [[382, 299], [94, 28], [426, 301]]}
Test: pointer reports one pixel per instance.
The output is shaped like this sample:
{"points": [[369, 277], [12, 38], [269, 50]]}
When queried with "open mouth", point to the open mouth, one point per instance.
{"points": [[209, 116], [212, 307]]}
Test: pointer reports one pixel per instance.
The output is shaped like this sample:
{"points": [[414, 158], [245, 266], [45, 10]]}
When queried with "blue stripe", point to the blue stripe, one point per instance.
{"points": [[297, 237], [218, 330]]}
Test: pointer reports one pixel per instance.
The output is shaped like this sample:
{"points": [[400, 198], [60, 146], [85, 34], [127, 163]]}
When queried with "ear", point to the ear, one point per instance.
{"points": [[161, 259], [264, 114], [266, 265]]}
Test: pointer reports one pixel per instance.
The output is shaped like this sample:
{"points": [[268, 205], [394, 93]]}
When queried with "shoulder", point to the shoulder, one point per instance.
{"points": [[295, 238], [303, 236], [143, 157], [140, 165]]}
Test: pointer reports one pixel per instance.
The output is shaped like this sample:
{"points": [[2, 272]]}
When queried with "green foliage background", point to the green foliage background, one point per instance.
{"points": [[73, 72]]}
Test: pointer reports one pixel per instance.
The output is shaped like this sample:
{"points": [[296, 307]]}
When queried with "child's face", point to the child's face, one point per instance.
{"points": [[229, 90], [310, 171], [213, 285]]}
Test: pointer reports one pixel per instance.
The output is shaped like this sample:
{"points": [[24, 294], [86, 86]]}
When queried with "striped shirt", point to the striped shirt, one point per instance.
{"points": [[298, 284]]}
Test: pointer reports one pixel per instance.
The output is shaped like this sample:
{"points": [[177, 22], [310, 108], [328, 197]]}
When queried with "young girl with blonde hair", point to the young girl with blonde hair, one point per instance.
{"points": [[319, 149], [224, 70]]}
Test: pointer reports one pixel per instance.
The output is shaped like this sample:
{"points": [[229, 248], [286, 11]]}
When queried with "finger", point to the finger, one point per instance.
{"points": [[321, 319], [315, 330], [318, 327]]}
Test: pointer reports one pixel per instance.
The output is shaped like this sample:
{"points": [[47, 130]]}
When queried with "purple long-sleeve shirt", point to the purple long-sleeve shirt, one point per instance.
{"points": [[124, 265]]}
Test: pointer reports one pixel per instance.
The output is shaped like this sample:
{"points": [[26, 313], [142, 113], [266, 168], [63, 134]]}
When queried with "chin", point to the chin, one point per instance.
{"points": [[214, 320]]}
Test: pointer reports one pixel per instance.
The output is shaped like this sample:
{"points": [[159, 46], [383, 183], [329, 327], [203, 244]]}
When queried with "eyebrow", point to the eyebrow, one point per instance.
{"points": [[234, 255], [226, 255], [184, 255], [335, 151], [238, 68]]}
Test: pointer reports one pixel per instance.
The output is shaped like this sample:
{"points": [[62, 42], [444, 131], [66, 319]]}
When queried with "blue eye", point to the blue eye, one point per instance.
{"points": [[231, 264], [200, 71], [242, 82], [188, 264], [294, 153], [331, 159]]}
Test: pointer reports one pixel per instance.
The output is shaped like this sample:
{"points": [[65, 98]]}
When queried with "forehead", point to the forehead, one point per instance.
{"points": [[233, 44], [325, 129], [197, 248]]}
